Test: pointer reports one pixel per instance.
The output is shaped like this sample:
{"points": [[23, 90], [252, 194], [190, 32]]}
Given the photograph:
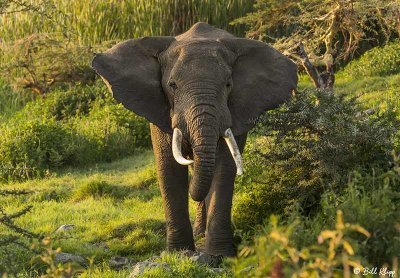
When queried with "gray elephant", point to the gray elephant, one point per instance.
{"points": [[201, 92]]}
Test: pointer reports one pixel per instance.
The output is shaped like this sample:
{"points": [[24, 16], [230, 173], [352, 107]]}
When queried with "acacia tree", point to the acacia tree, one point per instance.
{"points": [[318, 34]]}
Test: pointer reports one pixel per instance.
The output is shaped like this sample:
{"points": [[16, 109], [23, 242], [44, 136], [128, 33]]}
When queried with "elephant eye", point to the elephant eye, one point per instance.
{"points": [[228, 85], [173, 85]]}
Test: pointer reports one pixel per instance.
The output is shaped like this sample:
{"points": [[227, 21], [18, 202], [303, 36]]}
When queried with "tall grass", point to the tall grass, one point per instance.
{"points": [[11, 101], [95, 21]]}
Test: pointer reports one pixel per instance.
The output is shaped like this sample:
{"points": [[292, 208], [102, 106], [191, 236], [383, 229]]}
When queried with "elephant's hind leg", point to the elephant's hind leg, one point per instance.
{"points": [[173, 179]]}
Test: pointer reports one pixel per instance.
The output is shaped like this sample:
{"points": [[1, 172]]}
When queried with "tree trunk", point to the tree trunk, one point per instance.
{"points": [[324, 80]]}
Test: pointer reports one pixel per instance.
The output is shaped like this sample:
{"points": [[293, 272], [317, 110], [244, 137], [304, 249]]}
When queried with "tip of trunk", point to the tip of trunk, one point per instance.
{"points": [[197, 195], [203, 174]]}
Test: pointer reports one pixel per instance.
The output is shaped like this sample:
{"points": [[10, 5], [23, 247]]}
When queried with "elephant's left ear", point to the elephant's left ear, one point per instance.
{"points": [[263, 78]]}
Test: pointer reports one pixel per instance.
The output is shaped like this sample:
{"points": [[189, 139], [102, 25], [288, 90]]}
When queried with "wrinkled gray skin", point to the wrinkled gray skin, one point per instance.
{"points": [[202, 82]]}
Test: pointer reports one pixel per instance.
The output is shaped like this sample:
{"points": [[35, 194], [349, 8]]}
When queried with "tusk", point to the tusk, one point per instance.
{"points": [[177, 148], [233, 147]]}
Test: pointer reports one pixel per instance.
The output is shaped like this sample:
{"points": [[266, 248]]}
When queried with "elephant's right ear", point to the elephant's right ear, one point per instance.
{"points": [[133, 74]]}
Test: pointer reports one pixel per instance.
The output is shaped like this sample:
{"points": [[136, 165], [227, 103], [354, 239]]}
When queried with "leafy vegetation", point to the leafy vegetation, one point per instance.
{"points": [[379, 61], [318, 35], [92, 22], [297, 244], [325, 164], [306, 147], [76, 127], [127, 220]]}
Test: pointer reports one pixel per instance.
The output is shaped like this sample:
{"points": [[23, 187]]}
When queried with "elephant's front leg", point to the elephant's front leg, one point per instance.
{"points": [[173, 180], [219, 234]]}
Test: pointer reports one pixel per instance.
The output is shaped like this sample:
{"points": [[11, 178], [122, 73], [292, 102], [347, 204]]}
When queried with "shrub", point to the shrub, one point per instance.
{"points": [[379, 61], [30, 149], [63, 104], [41, 61], [306, 147], [80, 126], [109, 132], [370, 200], [274, 254]]}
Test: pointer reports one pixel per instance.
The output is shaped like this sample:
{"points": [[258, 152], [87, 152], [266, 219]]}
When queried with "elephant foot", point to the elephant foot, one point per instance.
{"points": [[181, 247], [220, 251], [180, 239]]}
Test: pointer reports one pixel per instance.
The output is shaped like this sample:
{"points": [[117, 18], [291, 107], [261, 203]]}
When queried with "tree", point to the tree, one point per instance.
{"points": [[322, 33]]}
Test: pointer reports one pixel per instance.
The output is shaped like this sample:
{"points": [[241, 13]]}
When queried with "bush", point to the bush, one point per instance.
{"points": [[369, 201], [274, 254], [41, 61], [306, 147], [63, 104], [81, 126], [379, 61], [30, 149]]}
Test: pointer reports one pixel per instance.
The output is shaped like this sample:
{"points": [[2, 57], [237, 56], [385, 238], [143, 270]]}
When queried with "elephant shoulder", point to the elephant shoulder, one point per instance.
{"points": [[204, 30]]}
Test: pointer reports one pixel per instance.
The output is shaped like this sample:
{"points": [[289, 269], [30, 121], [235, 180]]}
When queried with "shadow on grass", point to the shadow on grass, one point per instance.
{"points": [[138, 239]]}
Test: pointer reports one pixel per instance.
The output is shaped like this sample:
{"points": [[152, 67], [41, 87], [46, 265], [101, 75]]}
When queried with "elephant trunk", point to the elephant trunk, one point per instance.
{"points": [[204, 153], [203, 129]]}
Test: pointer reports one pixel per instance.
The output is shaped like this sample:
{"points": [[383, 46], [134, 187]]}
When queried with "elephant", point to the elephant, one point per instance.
{"points": [[201, 91]]}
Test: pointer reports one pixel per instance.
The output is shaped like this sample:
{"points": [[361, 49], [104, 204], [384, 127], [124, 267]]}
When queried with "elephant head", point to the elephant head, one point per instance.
{"points": [[202, 85]]}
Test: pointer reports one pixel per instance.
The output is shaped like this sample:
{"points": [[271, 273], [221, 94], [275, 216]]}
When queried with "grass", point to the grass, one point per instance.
{"points": [[94, 21], [372, 92], [116, 207], [11, 101]]}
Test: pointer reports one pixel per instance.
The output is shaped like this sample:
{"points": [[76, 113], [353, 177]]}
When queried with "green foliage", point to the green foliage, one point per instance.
{"points": [[379, 61], [32, 148], [10, 101], [76, 127], [64, 104], [370, 200], [14, 239], [274, 254], [109, 132], [92, 22], [305, 147], [41, 61]]}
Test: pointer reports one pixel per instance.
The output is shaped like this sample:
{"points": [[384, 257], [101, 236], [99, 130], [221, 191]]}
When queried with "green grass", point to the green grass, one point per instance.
{"points": [[127, 217], [95, 21], [10, 101], [372, 92], [116, 207]]}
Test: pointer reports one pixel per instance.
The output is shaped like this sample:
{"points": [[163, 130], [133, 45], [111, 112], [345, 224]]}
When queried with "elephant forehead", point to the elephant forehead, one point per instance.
{"points": [[201, 47], [205, 54]]}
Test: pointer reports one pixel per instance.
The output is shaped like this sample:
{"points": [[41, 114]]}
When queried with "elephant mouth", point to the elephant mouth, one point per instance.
{"points": [[229, 139]]}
